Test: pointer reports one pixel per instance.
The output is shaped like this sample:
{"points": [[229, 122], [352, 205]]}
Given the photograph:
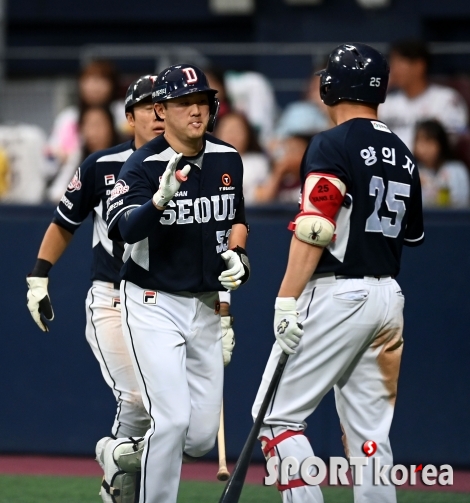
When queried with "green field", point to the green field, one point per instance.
{"points": [[39, 489]]}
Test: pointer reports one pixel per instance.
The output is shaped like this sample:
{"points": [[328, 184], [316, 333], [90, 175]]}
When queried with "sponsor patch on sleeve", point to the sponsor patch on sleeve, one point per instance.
{"points": [[66, 201], [380, 126]]}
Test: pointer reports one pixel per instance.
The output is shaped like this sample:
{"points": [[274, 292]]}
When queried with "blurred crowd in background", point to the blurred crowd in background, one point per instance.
{"points": [[431, 118]]}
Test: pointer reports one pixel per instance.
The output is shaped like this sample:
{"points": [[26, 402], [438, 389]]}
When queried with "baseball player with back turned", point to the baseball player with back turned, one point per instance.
{"points": [[179, 205], [87, 193], [339, 311]]}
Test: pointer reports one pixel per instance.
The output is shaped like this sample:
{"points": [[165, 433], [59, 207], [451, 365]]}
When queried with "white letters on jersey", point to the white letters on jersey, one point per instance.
{"points": [[201, 210], [369, 155], [384, 225], [409, 165]]}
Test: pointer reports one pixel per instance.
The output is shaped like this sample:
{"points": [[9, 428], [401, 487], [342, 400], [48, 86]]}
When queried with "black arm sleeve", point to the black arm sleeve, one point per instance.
{"points": [[137, 223]]}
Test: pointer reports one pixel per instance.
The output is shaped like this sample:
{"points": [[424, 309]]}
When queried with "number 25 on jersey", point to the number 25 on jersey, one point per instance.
{"points": [[383, 224]]}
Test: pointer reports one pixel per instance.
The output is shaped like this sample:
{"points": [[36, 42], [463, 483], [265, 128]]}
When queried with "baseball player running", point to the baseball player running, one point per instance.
{"points": [[179, 205], [86, 193], [339, 311]]}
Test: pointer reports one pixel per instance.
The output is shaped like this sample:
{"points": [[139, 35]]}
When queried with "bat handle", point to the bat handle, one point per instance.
{"points": [[223, 473], [234, 487]]}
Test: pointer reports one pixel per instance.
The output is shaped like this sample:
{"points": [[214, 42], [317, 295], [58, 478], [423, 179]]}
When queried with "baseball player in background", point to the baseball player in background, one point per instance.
{"points": [[339, 311], [87, 193], [179, 205]]}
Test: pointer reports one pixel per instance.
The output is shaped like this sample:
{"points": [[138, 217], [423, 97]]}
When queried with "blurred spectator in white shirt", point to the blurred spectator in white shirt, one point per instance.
{"points": [[414, 98], [283, 183], [97, 86], [444, 181], [23, 166], [235, 129], [96, 132], [252, 94]]}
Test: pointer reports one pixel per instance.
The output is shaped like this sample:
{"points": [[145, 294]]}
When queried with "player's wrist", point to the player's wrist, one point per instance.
{"points": [[285, 304], [224, 309], [159, 201], [227, 321], [41, 268]]}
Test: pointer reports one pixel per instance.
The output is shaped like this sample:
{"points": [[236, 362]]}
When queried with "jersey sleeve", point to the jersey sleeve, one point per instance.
{"points": [[240, 216], [131, 191], [79, 198], [326, 156], [414, 232]]}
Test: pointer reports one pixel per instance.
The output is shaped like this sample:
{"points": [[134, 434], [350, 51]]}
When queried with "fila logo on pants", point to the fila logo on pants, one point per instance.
{"points": [[150, 297]]}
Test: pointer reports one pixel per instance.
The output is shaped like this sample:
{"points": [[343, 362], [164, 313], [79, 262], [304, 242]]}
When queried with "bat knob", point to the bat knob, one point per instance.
{"points": [[223, 476], [180, 177]]}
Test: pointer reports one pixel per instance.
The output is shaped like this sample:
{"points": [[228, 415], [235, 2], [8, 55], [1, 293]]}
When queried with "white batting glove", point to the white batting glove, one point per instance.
{"points": [[228, 338], [39, 302], [170, 182], [230, 278], [286, 327]]}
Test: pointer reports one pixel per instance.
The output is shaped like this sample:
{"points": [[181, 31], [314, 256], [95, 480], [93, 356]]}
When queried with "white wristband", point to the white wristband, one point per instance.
{"points": [[224, 296], [285, 304]]}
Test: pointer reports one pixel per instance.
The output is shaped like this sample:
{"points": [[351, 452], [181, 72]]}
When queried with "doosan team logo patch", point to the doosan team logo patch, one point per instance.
{"points": [[109, 180], [75, 183], [119, 189], [150, 297]]}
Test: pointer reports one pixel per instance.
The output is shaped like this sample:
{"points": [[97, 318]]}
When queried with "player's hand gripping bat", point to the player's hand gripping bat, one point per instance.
{"points": [[234, 486]]}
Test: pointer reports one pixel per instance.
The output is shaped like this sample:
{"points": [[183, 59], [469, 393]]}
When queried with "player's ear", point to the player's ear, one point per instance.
{"points": [[130, 119], [159, 110]]}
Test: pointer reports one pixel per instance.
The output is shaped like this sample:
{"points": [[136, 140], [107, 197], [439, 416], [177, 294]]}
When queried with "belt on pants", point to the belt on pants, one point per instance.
{"points": [[332, 275], [108, 284], [384, 276]]}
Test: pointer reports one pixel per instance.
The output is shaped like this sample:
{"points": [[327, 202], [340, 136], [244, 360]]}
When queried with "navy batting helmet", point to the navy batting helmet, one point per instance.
{"points": [[354, 72], [181, 80], [138, 91]]}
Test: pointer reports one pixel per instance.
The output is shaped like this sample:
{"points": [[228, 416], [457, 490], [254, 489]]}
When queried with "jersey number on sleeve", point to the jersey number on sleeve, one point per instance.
{"points": [[375, 223]]}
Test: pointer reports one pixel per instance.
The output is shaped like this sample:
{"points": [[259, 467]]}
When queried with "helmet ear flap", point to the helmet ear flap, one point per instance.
{"points": [[156, 115], [213, 111], [324, 93]]}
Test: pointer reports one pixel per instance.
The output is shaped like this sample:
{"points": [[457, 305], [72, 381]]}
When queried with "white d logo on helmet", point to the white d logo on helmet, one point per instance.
{"points": [[191, 77]]}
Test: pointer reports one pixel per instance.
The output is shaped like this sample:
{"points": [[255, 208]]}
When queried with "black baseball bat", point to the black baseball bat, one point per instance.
{"points": [[234, 486]]}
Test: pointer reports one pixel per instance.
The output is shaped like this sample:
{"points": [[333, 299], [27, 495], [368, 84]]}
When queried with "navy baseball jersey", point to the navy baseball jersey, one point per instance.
{"points": [[88, 191], [382, 209], [181, 252]]}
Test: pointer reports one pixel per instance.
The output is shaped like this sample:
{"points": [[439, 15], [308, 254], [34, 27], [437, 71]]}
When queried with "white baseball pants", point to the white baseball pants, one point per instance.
{"points": [[175, 342], [352, 341], [104, 334]]}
